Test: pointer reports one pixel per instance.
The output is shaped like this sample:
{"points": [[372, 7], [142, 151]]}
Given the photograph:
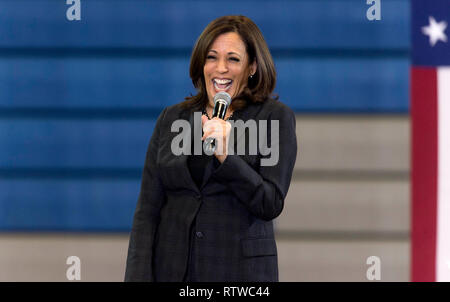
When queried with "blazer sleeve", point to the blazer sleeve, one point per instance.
{"points": [[263, 192], [146, 216]]}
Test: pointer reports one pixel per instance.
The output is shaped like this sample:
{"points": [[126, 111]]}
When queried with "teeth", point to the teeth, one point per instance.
{"points": [[222, 82], [221, 89]]}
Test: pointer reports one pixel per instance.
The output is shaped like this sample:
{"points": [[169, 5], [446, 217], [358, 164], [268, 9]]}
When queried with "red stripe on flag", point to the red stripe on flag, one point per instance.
{"points": [[424, 113]]}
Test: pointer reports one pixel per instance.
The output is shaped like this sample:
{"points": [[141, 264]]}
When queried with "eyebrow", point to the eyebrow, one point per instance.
{"points": [[230, 53]]}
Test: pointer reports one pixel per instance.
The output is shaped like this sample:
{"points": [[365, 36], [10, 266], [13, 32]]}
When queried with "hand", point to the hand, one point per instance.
{"points": [[220, 130]]}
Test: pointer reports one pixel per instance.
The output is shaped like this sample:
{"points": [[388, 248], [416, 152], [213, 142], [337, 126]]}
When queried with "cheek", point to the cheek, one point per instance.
{"points": [[240, 73], [207, 69], [241, 78]]}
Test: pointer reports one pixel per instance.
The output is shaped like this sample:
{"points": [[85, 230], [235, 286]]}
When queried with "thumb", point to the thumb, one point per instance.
{"points": [[204, 119]]}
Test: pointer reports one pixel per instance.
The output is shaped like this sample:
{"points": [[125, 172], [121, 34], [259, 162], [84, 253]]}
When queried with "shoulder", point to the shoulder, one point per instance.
{"points": [[274, 109], [176, 110], [173, 112]]}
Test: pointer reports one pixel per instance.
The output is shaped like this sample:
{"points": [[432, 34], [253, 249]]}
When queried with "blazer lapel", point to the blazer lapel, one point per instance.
{"points": [[184, 157], [175, 167]]}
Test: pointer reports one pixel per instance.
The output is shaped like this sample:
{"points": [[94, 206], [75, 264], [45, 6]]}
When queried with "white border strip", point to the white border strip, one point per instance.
{"points": [[443, 206]]}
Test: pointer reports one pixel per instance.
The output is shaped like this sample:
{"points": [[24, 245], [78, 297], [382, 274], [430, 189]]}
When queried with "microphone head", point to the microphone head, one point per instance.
{"points": [[222, 97]]}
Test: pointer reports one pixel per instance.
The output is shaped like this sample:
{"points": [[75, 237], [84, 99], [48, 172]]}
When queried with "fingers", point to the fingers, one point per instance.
{"points": [[205, 119], [219, 130], [213, 133], [216, 129], [221, 141]]}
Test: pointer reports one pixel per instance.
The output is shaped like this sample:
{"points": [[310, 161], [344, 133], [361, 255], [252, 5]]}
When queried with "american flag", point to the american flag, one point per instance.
{"points": [[430, 117]]}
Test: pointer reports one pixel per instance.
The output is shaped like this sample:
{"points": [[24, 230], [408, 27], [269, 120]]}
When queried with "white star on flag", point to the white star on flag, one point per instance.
{"points": [[435, 31]]}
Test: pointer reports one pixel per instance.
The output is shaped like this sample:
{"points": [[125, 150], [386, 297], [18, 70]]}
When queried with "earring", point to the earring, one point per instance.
{"points": [[251, 76]]}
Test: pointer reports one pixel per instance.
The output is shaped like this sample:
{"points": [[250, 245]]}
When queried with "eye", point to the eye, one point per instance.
{"points": [[210, 57], [235, 59]]}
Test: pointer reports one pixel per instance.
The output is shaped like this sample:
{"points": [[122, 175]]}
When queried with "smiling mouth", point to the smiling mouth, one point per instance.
{"points": [[222, 84]]}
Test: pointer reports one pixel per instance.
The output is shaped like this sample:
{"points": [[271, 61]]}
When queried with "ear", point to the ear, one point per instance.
{"points": [[253, 67]]}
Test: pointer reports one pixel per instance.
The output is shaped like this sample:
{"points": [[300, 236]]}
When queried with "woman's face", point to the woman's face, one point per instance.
{"points": [[227, 66]]}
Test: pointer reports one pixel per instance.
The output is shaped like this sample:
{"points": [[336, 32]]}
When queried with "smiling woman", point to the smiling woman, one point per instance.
{"points": [[232, 46], [209, 218], [227, 66]]}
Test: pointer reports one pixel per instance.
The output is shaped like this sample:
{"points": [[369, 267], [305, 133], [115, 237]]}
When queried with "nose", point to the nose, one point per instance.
{"points": [[222, 66]]}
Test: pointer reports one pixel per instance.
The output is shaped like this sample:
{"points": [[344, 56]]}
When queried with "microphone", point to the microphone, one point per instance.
{"points": [[221, 102]]}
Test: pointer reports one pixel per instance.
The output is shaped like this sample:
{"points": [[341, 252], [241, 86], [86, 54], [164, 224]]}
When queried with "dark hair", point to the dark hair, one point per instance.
{"points": [[259, 87]]}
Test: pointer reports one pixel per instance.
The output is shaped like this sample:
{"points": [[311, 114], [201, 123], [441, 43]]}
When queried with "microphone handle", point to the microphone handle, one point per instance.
{"points": [[220, 109]]}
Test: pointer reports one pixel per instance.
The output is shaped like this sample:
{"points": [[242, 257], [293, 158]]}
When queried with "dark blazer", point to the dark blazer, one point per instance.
{"points": [[230, 216]]}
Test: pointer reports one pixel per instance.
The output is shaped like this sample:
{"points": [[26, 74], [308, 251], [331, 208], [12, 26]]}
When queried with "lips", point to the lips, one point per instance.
{"points": [[222, 84]]}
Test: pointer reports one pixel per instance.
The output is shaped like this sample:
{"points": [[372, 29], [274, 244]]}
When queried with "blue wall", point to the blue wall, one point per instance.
{"points": [[78, 100]]}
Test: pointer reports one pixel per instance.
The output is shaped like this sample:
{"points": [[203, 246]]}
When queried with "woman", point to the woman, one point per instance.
{"points": [[209, 218]]}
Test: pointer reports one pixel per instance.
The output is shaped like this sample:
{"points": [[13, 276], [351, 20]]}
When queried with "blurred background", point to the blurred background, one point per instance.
{"points": [[79, 100]]}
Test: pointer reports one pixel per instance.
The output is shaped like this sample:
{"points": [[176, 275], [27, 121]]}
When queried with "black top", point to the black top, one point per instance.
{"points": [[198, 163]]}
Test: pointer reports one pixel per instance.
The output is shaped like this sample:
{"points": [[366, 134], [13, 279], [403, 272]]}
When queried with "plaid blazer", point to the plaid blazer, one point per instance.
{"points": [[222, 231]]}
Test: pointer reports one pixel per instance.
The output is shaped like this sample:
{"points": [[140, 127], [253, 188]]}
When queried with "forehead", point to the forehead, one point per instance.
{"points": [[228, 42]]}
